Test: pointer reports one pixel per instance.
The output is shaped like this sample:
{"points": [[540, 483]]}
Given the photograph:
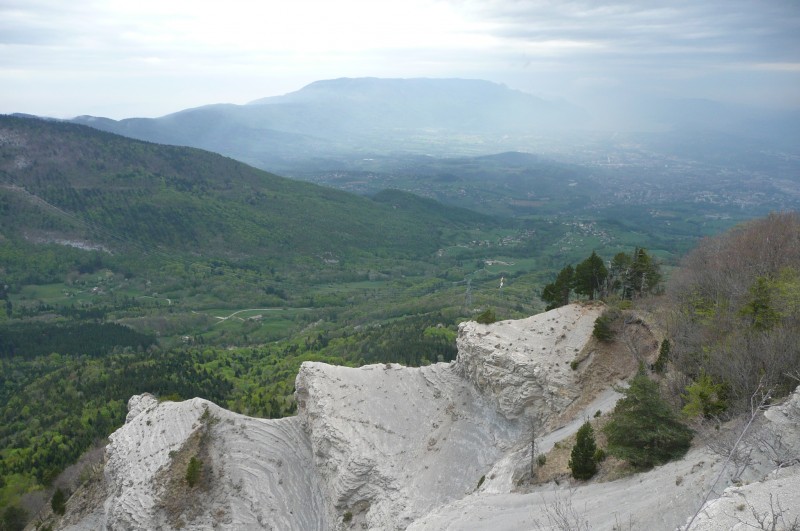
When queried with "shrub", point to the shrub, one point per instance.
{"points": [[541, 459], [487, 317], [599, 455], [602, 326], [704, 397], [193, 471], [347, 517], [643, 430], [582, 461]]}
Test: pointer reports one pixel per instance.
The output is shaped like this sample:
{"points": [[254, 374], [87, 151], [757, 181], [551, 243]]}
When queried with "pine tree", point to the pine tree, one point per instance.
{"points": [[645, 273], [590, 276], [59, 502], [663, 357], [582, 459], [557, 293], [643, 430]]}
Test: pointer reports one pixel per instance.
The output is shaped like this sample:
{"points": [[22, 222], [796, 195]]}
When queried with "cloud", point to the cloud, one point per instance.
{"points": [[167, 55]]}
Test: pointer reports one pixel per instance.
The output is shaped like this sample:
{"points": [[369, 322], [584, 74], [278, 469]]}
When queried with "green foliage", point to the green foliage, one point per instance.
{"points": [[58, 502], [759, 309], [599, 455], [29, 340], [582, 460], [705, 398], [557, 293], [737, 305], [541, 459], [480, 481], [14, 518], [193, 471], [634, 275], [590, 276], [643, 430], [347, 517], [603, 326], [487, 317], [663, 357]]}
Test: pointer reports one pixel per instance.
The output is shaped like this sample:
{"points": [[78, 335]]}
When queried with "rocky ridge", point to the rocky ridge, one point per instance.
{"points": [[386, 447]]}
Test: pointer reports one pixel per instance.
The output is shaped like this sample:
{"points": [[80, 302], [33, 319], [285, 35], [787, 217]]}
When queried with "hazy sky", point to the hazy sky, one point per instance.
{"points": [[152, 57]]}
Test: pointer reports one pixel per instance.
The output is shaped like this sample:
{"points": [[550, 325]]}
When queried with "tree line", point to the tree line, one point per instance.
{"points": [[628, 276]]}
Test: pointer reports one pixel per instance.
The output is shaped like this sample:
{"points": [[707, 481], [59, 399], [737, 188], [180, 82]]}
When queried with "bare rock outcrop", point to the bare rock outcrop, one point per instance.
{"points": [[391, 447], [255, 473], [524, 366]]}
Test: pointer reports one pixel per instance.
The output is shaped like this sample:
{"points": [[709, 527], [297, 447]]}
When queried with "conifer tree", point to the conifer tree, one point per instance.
{"points": [[557, 293], [590, 276], [643, 430], [582, 459]]}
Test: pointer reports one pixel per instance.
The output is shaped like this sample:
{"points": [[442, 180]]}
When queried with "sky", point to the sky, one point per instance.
{"points": [[149, 58]]}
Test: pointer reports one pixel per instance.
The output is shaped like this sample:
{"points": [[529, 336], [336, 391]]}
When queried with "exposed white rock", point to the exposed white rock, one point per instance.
{"points": [[262, 472], [391, 443], [523, 366], [390, 447]]}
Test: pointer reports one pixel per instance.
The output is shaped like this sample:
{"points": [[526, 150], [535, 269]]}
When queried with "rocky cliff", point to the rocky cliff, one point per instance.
{"points": [[381, 446]]}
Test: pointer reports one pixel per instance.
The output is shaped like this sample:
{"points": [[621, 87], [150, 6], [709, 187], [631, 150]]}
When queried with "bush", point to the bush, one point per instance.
{"points": [[599, 455], [602, 326], [582, 461], [643, 430], [487, 317], [541, 459], [704, 397], [193, 471]]}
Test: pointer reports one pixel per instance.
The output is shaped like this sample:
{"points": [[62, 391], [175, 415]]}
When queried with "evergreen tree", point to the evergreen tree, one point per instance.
{"points": [[14, 518], [193, 471], [582, 459], [619, 275], [645, 273], [663, 357], [59, 502], [557, 293], [590, 276], [643, 430]]}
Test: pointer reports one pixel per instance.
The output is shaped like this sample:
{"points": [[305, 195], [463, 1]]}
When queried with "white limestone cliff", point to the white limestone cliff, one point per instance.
{"points": [[384, 446]]}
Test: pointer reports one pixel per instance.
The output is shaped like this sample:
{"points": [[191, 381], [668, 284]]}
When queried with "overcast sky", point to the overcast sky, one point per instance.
{"points": [[151, 57]]}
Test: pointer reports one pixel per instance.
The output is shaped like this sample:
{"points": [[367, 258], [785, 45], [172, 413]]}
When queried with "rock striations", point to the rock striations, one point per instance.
{"points": [[378, 447]]}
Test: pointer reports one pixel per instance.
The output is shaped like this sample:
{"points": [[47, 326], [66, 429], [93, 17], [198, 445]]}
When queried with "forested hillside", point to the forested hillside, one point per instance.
{"points": [[735, 316]]}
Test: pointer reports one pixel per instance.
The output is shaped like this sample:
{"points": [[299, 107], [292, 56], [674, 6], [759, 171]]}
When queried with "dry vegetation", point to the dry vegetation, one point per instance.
{"points": [[735, 310], [181, 501]]}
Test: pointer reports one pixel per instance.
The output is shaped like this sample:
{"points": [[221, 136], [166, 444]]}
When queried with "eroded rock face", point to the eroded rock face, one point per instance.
{"points": [[523, 366], [256, 473], [391, 442], [376, 447]]}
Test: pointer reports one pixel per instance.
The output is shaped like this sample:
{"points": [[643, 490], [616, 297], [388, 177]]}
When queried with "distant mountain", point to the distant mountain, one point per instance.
{"points": [[346, 116], [69, 183]]}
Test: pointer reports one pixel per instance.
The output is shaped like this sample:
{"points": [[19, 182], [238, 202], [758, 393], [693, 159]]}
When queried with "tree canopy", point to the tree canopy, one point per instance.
{"points": [[643, 429]]}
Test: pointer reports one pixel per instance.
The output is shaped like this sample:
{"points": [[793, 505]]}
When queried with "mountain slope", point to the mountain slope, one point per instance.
{"points": [[62, 181]]}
